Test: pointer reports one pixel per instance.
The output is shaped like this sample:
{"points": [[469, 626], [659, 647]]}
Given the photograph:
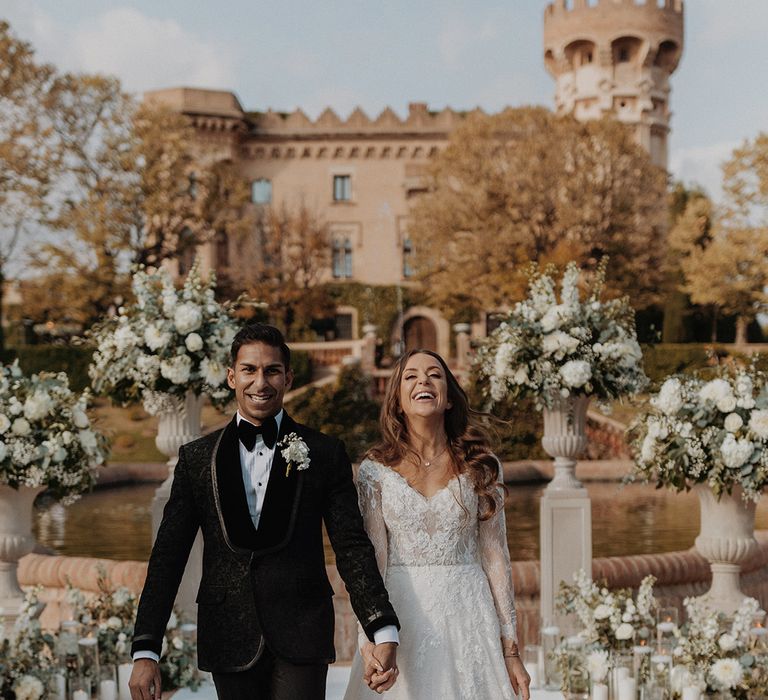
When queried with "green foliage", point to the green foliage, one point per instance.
{"points": [[72, 359], [343, 409], [301, 364], [672, 358]]}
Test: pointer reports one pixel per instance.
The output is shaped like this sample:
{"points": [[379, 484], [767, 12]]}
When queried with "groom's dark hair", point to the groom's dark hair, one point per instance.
{"points": [[261, 333]]}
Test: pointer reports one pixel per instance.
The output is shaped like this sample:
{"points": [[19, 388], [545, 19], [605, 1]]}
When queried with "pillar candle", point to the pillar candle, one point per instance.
{"points": [[60, 684], [123, 676], [107, 689], [691, 692], [627, 689], [80, 695], [599, 691], [533, 672]]}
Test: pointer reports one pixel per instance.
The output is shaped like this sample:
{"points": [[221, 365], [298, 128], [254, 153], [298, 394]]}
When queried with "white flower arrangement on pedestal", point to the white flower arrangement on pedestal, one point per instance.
{"points": [[547, 347], [46, 437], [167, 343], [712, 432]]}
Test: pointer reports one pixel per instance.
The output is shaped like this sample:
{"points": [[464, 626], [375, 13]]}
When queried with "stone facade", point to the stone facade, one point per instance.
{"points": [[614, 57]]}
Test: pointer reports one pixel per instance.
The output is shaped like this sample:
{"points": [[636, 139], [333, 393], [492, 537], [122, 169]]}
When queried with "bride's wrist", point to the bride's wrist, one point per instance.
{"points": [[510, 650]]}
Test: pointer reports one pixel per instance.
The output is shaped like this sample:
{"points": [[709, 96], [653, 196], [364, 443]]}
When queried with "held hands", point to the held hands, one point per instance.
{"points": [[380, 662], [145, 681]]}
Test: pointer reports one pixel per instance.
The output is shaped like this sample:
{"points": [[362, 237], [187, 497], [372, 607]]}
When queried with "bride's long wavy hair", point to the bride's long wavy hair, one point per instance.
{"points": [[468, 442]]}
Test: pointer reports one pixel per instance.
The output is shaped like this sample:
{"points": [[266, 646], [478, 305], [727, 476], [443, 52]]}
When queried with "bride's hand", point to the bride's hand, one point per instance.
{"points": [[518, 676]]}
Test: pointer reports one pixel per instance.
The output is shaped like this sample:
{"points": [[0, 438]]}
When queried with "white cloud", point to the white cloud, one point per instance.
{"points": [[702, 165], [144, 52]]}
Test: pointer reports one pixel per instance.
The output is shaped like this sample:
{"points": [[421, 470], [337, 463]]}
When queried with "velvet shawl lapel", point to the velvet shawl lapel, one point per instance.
{"points": [[278, 513]]}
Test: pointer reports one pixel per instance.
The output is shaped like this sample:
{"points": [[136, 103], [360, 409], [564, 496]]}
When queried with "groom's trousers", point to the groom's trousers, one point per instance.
{"points": [[273, 679]]}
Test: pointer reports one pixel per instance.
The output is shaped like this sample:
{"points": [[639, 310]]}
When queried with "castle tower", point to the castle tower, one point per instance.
{"points": [[615, 57]]}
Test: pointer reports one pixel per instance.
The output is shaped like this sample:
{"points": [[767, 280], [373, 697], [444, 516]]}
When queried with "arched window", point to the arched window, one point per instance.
{"points": [[342, 258], [407, 257]]}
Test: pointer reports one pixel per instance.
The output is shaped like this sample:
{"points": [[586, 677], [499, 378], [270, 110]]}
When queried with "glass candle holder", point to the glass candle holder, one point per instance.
{"points": [[89, 663], [661, 673], [532, 655], [758, 641], [550, 639], [621, 668], [575, 685], [666, 626], [79, 689], [641, 664], [107, 682]]}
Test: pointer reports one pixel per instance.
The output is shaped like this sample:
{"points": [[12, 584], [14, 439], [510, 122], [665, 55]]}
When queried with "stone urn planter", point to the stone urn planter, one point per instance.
{"points": [[177, 426], [565, 438], [726, 539], [16, 541]]}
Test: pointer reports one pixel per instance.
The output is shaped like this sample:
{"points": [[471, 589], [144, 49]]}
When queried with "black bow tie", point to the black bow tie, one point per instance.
{"points": [[248, 432]]}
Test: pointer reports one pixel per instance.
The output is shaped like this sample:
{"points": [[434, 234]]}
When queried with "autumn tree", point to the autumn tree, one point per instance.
{"points": [[290, 251], [29, 159], [524, 185], [725, 250]]}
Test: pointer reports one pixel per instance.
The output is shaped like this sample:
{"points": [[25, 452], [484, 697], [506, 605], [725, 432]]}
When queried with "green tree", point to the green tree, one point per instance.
{"points": [[525, 185]]}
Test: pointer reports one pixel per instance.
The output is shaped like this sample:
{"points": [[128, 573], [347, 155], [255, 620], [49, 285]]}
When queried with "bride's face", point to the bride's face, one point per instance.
{"points": [[423, 388]]}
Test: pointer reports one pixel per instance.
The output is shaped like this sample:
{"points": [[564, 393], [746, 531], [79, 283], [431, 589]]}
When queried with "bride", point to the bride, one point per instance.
{"points": [[433, 507]]}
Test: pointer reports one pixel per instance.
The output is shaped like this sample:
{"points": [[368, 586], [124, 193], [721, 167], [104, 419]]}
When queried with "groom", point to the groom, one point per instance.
{"points": [[265, 614]]}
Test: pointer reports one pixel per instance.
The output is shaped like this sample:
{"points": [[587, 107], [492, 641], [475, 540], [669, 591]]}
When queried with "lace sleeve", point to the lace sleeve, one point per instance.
{"points": [[494, 556], [369, 498]]}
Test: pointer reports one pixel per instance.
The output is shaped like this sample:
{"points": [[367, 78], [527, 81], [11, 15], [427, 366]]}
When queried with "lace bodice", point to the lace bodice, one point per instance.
{"points": [[409, 529]]}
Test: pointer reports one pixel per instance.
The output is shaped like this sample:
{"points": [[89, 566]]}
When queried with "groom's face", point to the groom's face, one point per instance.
{"points": [[260, 380]]}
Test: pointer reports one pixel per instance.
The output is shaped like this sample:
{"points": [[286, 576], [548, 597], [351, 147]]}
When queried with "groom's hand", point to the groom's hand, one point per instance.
{"points": [[145, 680], [385, 663]]}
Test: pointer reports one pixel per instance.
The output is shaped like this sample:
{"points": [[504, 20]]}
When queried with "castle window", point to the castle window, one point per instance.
{"points": [[261, 191], [342, 188], [623, 54], [407, 258], [186, 251], [342, 258]]}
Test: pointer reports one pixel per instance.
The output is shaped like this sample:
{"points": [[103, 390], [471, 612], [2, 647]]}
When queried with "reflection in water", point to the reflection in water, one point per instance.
{"points": [[115, 523]]}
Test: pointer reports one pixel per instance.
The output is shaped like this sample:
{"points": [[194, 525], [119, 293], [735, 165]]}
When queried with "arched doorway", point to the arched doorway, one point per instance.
{"points": [[420, 333]]}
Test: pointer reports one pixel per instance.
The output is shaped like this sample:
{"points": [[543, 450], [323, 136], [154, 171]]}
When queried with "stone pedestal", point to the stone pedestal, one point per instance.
{"points": [[463, 347], [565, 511], [16, 540], [176, 428], [726, 539], [368, 358]]}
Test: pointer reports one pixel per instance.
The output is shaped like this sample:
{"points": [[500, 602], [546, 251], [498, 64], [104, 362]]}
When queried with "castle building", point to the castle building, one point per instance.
{"points": [[360, 174]]}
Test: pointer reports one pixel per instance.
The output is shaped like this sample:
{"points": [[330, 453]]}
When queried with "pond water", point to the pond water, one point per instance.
{"points": [[115, 522]]}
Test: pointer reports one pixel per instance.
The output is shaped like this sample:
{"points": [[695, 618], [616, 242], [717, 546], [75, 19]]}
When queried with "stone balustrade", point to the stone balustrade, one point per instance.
{"points": [[678, 574]]}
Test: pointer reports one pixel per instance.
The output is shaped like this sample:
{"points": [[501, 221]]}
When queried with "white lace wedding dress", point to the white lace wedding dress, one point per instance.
{"points": [[449, 579]]}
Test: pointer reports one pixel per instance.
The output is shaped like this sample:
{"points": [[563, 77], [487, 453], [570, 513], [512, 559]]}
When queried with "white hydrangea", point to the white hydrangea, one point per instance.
{"points": [[505, 358], [736, 452], [28, 688], [155, 337], [80, 419], [125, 338], [177, 369], [214, 373], [576, 373], [669, 400], [602, 612], [715, 390], [37, 406], [727, 642], [193, 342], [21, 427], [5, 423], [554, 317], [559, 343], [758, 423], [624, 631], [187, 317]]}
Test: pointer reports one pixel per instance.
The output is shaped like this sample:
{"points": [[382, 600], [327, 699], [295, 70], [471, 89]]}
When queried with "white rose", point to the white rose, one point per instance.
{"points": [[5, 423], [156, 338], [648, 449], [715, 390], [669, 400], [178, 643], [758, 423], [88, 440], [727, 642], [726, 404], [14, 406], [624, 631], [602, 612], [28, 688], [80, 419], [744, 385], [187, 317], [727, 672], [3, 451], [193, 342], [733, 422], [521, 375], [21, 426], [576, 373], [114, 622], [213, 373], [177, 370], [735, 452]]}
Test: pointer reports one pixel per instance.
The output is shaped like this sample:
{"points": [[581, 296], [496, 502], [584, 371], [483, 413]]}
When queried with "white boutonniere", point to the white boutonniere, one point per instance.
{"points": [[295, 451]]}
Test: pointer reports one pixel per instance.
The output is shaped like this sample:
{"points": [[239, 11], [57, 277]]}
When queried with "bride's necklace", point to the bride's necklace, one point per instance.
{"points": [[429, 462]]}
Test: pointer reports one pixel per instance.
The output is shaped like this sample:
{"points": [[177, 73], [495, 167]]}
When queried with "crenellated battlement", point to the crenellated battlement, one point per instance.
{"points": [[571, 8]]}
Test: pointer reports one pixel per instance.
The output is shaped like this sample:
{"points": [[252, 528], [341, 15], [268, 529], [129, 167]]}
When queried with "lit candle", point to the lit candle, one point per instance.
{"points": [[80, 695], [666, 627], [627, 689], [599, 691], [758, 631], [533, 672], [123, 676], [107, 689], [691, 692]]}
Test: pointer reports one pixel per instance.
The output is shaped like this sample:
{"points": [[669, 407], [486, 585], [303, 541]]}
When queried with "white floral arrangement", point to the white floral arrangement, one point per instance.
{"points": [[46, 436], [178, 661], [548, 348], [724, 655], [294, 452], [168, 342], [699, 431], [611, 620]]}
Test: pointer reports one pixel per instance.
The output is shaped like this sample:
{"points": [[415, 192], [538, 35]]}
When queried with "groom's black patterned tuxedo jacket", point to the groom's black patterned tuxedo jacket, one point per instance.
{"points": [[265, 586]]}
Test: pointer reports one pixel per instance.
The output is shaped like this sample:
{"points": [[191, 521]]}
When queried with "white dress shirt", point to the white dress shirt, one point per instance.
{"points": [[256, 466]]}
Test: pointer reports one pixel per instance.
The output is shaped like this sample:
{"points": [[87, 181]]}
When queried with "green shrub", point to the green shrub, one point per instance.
{"points": [[301, 364], [343, 409], [72, 359], [672, 358]]}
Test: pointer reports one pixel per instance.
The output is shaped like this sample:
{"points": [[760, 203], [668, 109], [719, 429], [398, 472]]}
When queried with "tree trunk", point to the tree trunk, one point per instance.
{"points": [[741, 330]]}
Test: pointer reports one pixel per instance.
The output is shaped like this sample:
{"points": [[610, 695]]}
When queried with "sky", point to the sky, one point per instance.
{"points": [[349, 53]]}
